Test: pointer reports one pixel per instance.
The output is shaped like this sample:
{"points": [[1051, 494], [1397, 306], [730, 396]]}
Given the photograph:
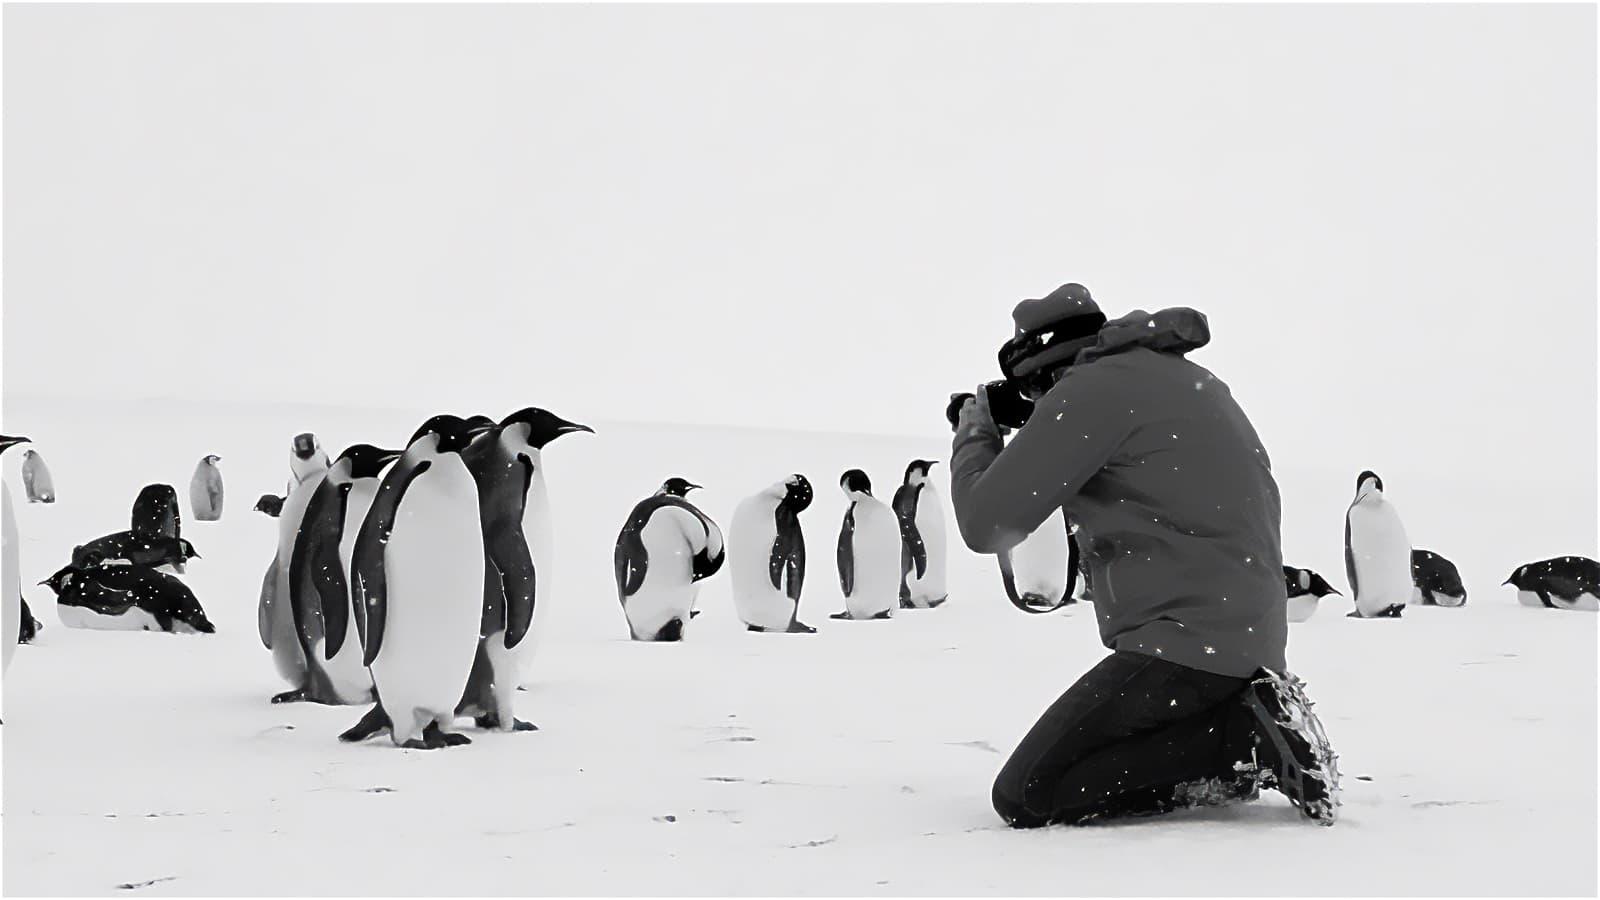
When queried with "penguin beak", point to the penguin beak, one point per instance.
{"points": [[389, 456], [694, 487], [1506, 582], [6, 442], [570, 427]]}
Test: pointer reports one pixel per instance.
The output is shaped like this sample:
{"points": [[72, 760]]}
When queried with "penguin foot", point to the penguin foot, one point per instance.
{"points": [[801, 628], [693, 613], [374, 721], [297, 695], [519, 725], [444, 738], [491, 722], [840, 615], [939, 602], [756, 628], [883, 615]]}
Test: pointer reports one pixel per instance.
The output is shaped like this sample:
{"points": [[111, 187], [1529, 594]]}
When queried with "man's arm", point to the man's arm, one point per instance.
{"points": [[1002, 493]]}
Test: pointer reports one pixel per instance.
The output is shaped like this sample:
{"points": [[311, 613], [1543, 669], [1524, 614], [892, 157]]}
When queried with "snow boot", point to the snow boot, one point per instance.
{"points": [[1292, 750]]}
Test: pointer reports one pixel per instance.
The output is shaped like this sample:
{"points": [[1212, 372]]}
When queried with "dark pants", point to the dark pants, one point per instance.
{"points": [[1121, 739]]}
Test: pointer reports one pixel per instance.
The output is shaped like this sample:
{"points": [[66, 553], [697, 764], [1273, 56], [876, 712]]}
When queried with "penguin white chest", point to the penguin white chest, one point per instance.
{"points": [[434, 569], [669, 589], [1302, 607], [750, 555], [1381, 555], [875, 557], [930, 587]]}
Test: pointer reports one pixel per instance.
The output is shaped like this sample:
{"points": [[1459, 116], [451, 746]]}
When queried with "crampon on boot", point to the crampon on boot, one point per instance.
{"points": [[1292, 749]]}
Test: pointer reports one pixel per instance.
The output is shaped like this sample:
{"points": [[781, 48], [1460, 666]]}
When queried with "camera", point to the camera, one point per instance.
{"points": [[1006, 403]]}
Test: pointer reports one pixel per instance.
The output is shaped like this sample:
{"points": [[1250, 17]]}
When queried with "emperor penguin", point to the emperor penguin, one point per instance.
{"points": [[525, 434], [510, 580], [1436, 580], [36, 481], [10, 566], [306, 458], [129, 548], [1039, 572], [419, 570], [205, 489], [1377, 553], [1561, 582], [869, 552], [767, 554], [126, 598], [1304, 589], [666, 548], [274, 613], [319, 579], [155, 511], [922, 557]]}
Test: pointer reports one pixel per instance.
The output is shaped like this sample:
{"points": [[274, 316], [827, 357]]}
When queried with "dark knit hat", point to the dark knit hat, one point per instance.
{"points": [[1051, 331]]}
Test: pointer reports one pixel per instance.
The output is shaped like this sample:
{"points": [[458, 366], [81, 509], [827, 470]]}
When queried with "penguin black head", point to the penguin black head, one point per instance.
{"points": [[305, 445], [797, 494], [1319, 586], [454, 433], [1518, 579], [855, 481], [1364, 477], [212, 459], [919, 470], [677, 487], [7, 442], [366, 461], [62, 579], [543, 426], [271, 504], [187, 549]]}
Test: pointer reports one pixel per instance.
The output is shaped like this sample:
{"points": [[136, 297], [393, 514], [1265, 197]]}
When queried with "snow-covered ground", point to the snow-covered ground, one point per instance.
{"points": [[854, 761]]}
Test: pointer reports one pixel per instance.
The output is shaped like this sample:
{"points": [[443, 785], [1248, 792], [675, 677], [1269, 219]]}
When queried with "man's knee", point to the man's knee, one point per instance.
{"points": [[1010, 802]]}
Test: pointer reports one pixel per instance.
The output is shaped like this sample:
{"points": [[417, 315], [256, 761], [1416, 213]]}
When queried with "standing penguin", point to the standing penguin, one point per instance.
{"points": [[205, 490], [36, 480], [275, 614], [922, 557], [10, 567], [767, 551], [869, 552], [419, 576], [526, 433], [155, 511], [1377, 553], [666, 548], [1039, 573], [318, 574], [1305, 589], [510, 580], [1437, 581]]}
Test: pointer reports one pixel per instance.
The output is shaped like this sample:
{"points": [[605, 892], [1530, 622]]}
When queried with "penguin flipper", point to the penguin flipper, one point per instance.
{"points": [[631, 559], [1350, 563], [316, 576], [705, 563], [269, 589], [513, 562], [847, 560], [913, 548], [371, 585], [1072, 561]]}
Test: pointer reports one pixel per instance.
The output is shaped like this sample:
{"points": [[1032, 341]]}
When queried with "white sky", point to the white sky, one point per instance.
{"points": [[811, 217]]}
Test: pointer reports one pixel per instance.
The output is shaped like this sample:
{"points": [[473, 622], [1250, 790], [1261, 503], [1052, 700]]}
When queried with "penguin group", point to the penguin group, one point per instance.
{"points": [[126, 580], [412, 578], [1387, 574], [889, 555]]}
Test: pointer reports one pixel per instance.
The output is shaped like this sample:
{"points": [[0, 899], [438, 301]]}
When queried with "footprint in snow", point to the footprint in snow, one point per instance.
{"points": [[976, 745]]}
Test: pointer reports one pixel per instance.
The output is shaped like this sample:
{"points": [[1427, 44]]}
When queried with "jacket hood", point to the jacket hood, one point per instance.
{"points": [[1176, 330]]}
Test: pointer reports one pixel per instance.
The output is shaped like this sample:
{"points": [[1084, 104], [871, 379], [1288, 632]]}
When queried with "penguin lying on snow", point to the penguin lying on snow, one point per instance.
{"points": [[133, 548], [869, 552], [1436, 579], [1305, 588], [665, 549], [1562, 582], [126, 598]]}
